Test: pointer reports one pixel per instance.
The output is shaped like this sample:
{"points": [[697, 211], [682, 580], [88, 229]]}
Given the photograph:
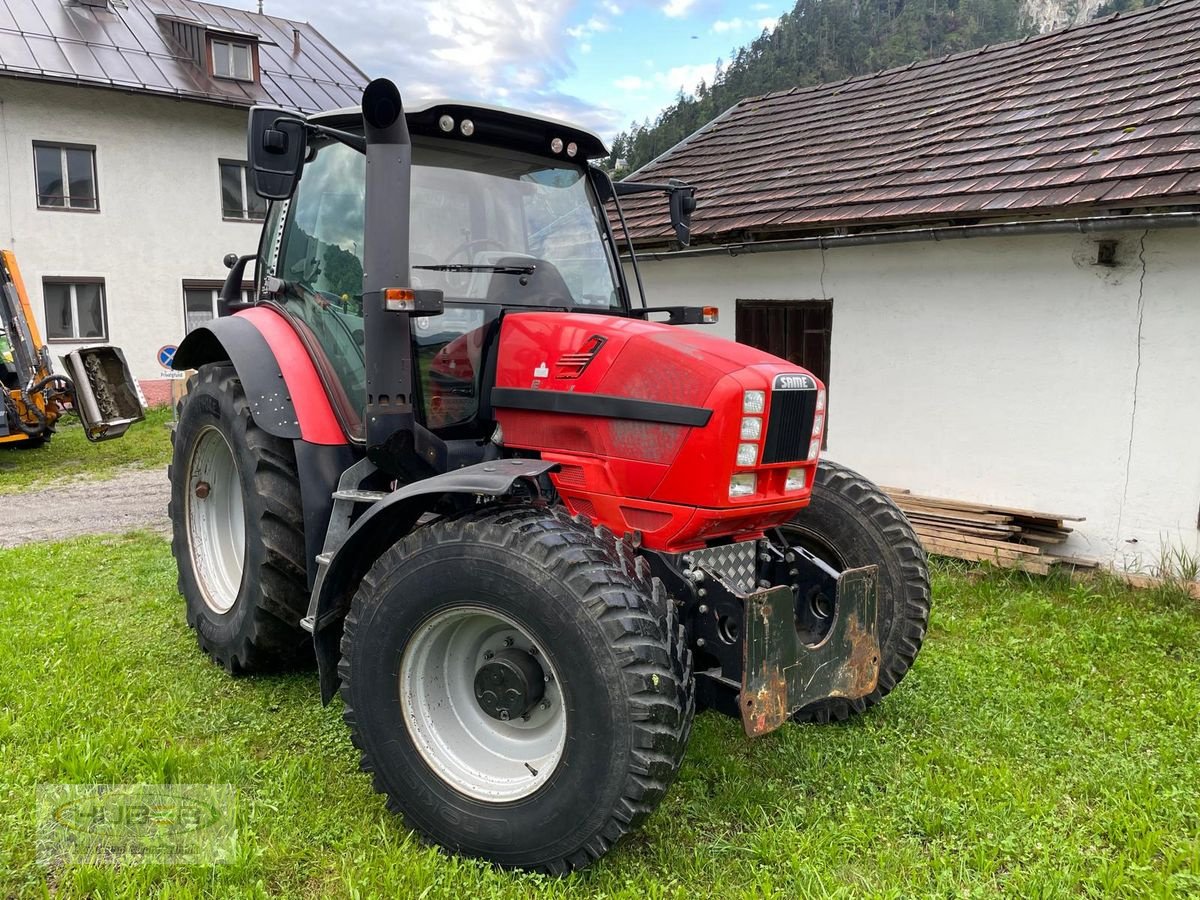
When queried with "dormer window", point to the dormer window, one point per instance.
{"points": [[232, 59]]}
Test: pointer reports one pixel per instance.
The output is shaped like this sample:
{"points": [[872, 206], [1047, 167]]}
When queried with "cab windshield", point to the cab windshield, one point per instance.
{"points": [[486, 226]]}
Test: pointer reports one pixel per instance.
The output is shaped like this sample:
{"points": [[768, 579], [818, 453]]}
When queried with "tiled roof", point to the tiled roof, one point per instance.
{"points": [[1101, 116], [143, 46]]}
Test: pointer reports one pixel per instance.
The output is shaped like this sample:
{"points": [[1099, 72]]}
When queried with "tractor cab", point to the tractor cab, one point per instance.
{"points": [[506, 215]]}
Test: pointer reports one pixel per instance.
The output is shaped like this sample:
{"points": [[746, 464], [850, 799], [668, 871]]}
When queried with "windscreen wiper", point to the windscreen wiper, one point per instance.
{"points": [[471, 267]]}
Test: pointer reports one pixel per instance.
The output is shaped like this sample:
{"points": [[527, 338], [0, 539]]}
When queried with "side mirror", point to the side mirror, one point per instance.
{"points": [[276, 146], [683, 204]]}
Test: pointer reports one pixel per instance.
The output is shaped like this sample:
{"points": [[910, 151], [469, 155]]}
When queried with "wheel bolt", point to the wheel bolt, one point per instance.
{"points": [[508, 642], [203, 488], [504, 715], [700, 642], [703, 608], [545, 704], [488, 654]]}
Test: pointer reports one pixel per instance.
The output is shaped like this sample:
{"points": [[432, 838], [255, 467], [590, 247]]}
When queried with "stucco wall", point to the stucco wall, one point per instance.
{"points": [[160, 204], [1004, 369]]}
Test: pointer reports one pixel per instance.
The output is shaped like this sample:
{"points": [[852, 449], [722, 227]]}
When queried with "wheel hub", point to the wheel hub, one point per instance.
{"points": [[509, 685]]}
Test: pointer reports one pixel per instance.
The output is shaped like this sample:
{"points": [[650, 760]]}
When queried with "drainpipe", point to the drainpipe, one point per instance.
{"points": [[1093, 225]]}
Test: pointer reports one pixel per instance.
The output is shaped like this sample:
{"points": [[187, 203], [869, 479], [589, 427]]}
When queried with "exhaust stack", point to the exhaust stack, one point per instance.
{"points": [[395, 441]]}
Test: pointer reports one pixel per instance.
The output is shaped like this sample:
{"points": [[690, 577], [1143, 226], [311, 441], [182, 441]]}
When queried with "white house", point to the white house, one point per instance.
{"points": [[993, 261], [123, 146]]}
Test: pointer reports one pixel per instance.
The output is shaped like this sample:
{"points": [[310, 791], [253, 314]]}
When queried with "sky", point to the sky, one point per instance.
{"points": [[602, 64]]}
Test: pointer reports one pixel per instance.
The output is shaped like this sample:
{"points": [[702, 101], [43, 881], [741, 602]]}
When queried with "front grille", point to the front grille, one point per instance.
{"points": [[789, 427]]}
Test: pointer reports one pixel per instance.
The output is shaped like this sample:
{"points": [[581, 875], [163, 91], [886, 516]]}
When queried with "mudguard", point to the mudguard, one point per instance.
{"points": [[286, 396], [384, 523]]}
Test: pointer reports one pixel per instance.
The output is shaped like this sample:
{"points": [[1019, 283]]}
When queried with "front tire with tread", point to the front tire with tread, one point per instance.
{"points": [[612, 636], [850, 523]]}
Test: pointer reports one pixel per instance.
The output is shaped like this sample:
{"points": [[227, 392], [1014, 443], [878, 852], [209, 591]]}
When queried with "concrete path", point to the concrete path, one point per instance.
{"points": [[135, 499]]}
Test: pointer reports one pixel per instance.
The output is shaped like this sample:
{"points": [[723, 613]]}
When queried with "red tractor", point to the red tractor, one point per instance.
{"points": [[525, 525]]}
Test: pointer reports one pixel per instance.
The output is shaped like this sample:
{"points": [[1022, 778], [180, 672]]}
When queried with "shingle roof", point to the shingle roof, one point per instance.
{"points": [[1095, 117], [139, 45]]}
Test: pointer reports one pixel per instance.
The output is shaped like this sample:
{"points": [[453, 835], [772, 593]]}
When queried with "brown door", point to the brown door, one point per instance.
{"points": [[796, 330]]}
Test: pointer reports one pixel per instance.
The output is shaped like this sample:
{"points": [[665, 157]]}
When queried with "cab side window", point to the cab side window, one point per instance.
{"points": [[320, 261]]}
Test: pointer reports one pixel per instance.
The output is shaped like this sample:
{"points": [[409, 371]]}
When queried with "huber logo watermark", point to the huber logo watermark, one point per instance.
{"points": [[188, 824]]}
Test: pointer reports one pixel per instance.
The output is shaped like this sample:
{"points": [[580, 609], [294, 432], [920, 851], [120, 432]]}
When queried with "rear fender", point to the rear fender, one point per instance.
{"points": [[286, 396], [382, 525]]}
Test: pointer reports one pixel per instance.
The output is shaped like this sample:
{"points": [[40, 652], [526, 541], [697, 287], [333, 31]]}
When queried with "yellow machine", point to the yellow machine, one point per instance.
{"points": [[98, 385]]}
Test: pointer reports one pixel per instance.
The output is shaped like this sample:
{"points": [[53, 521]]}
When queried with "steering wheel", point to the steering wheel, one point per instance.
{"points": [[458, 281]]}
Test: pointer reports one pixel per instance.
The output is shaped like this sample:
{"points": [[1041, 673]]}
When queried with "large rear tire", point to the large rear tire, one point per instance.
{"points": [[595, 727], [237, 529], [850, 523]]}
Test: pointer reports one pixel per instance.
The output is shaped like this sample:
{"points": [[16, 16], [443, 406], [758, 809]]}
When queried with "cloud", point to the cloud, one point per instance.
{"points": [[685, 78], [611, 8], [513, 52], [723, 25], [677, 9]]}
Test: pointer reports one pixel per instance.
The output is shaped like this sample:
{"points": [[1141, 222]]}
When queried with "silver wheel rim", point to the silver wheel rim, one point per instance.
{"points": [[215, 520], [485, 758]]}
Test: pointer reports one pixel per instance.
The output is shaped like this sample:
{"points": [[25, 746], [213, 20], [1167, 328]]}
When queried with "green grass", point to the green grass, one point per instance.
{"points": [[69, 455], [1047, 743]]}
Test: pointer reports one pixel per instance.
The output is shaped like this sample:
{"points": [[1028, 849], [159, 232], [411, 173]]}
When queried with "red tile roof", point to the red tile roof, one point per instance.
{"points": [[1101, 116], [135, 45]]}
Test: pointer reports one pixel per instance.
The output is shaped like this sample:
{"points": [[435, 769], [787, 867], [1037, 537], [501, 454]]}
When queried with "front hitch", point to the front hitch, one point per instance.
{"points": [[781, 673], [774, 630]]}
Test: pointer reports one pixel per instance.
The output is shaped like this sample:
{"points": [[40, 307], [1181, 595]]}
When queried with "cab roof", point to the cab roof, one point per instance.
{"points": [[493, 125]]}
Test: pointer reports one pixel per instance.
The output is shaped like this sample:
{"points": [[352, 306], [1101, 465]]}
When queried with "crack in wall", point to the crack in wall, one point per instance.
{"points": [[1137, 374]]}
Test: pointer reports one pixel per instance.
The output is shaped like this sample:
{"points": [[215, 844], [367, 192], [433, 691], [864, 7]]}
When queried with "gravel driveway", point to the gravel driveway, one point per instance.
{"points": [[135, 499]]}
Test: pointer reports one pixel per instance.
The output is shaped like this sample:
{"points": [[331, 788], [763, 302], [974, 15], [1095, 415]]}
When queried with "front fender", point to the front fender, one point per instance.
{"points": [[285, 393], [386, 522]]}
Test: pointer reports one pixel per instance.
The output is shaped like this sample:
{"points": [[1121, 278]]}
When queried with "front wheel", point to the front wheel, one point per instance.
{"points": [[519, 685], [850, 523]]}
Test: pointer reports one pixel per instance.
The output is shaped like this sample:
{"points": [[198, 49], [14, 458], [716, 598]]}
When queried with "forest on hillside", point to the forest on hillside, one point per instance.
{"points": [[827, 40]]}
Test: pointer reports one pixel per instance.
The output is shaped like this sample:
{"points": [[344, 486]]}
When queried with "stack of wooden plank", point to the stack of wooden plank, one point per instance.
{"points": [[1004, 536]]}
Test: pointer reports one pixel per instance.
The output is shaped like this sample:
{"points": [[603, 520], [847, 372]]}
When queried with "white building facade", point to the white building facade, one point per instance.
{"points": [[121, 200], [1008, 370]]}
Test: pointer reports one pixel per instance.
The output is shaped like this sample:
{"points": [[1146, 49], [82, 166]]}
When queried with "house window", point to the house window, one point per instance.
{"points": [[75, 309], [237, 200], [66, 176], [200, 301], [232, 60], [799, 331]]}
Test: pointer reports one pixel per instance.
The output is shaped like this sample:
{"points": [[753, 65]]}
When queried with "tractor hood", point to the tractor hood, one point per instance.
{"points": [[673, 413]]}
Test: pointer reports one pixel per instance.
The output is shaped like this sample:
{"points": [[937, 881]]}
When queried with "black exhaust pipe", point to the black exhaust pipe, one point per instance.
{"points": [[393, 442]]}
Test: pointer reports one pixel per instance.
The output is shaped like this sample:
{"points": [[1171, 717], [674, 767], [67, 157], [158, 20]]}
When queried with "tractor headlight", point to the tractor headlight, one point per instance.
{"points": [[795, 480], [821, 400], [754, 402], [751, 428], [814, 447], [742, 485], [747, 454]]}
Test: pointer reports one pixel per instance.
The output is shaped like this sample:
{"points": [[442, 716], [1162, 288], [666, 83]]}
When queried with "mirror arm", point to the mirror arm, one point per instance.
{"points": [[358, 142], [230, 299]]}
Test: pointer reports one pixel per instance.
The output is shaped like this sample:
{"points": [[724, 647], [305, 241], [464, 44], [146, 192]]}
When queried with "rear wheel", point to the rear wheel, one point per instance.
{"points": [[518, 685], [850, 523], [238, 535]]}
